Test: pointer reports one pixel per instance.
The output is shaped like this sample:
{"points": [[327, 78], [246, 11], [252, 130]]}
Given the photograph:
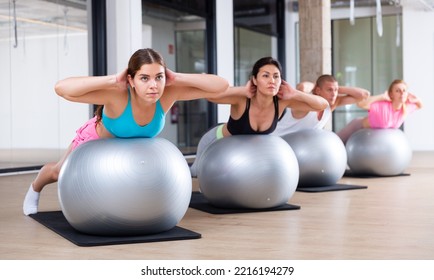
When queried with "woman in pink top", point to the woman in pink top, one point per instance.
{"points": [[387, 110]]}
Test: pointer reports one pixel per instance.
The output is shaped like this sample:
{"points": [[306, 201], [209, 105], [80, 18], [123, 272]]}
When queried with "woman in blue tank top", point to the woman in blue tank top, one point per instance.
{"points": [[257, 107], [132, 103]]}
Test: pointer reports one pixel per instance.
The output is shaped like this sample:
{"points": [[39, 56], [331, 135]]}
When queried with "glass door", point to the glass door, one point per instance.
{"points": [[363, 59], [178, 31]]}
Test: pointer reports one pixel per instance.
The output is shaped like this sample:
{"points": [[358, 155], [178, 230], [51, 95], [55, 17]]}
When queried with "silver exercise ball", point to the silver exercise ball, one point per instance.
{"points": [[383, 152], [321, 156], [248, 171], [125, 186]]}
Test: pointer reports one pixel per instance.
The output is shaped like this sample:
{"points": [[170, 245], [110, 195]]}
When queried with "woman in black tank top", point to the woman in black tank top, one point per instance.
{"points": [[257, 107]]}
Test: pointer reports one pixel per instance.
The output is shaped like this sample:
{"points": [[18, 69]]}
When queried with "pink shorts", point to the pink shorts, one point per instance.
{"points": [[85, 133]]}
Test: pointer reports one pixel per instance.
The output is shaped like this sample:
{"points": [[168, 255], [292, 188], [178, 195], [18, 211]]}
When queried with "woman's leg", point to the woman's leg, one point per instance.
{"points": [[48, 174], [349, 129], [206, 140]]}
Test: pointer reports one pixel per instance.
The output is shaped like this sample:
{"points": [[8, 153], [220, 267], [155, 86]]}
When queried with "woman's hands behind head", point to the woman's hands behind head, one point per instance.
{"points": [[250, 89], [286, 91], [122, 79], [170, 77]]}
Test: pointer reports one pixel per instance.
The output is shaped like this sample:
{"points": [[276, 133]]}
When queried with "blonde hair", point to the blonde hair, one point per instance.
{"points": [[389, 91]]}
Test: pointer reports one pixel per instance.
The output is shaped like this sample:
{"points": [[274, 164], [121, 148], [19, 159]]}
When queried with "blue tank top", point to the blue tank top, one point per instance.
{"points": [[125, 126], [242, 125]]}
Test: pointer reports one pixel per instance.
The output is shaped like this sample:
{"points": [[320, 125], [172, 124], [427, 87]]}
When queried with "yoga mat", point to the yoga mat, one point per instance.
{"points": [[349, 173], [336, 187], [199, 202], [20, 169], [56, 221]]}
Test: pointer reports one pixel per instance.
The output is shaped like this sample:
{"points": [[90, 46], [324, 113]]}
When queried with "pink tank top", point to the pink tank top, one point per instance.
{"points": [[382, 115]]}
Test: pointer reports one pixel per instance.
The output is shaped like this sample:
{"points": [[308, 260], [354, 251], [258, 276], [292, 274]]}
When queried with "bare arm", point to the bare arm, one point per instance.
{"points": [[92, 90], [305, 86], [366, 103], [351, 95], [414, 99], [233, 95], [183, 86], [300, 100]]}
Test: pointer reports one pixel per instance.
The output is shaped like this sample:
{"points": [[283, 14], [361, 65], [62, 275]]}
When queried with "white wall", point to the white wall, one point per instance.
{"points": [[418, 64], [291, 19], [124, 33], [225, 50], [34, 116]]}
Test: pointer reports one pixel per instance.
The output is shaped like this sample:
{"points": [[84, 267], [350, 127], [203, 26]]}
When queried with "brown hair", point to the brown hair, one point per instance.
{"points": [[322, 79], [137, 60]]}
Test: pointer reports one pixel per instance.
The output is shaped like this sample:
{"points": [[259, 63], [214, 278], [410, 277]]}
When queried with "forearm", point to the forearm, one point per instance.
{"points": [[314, 102], [79, 86], [413, 99], [371, 99], [227, 96], [358, 94], [204, 82], [305, 87]]}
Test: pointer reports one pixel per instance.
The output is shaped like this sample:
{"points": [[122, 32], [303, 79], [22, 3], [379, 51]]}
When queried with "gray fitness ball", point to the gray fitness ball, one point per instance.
{"points": [[321, 156], [125, 186], [384, 152], [248, 171]]}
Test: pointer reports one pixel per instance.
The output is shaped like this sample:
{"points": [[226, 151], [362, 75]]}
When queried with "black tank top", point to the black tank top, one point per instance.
{"points": [[242, 125]]}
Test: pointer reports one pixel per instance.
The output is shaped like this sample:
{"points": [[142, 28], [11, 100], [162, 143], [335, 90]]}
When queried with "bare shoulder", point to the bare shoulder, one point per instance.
{"points": [[116, 103]]}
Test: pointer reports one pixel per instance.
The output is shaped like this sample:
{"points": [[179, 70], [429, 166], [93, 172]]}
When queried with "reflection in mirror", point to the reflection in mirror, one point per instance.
{"points": [[40, 43]]}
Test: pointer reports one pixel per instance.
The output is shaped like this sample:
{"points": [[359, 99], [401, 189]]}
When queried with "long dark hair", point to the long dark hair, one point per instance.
{"points": [[264, 61], [137, 60]]}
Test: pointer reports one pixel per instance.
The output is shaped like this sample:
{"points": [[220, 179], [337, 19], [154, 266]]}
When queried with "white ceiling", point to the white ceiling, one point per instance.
{"points": [[47, 17]]}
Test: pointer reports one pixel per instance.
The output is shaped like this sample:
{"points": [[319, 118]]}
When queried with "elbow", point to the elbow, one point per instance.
{"points": [[63, 90], [363, 105], [59, 89], [366, 94], [224, 87], [363, 96], [322, 105]]}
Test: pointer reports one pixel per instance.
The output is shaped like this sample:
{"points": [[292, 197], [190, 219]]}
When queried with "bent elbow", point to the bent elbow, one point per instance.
{"points": [[59, 89], [322, 105], [366, 94], [224, 87]]}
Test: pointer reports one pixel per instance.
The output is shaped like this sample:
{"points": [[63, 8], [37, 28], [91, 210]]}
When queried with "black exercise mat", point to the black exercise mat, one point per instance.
{"points": [[199, 202], [56, 221], [349, 173], [20, 169], [336, 187]]}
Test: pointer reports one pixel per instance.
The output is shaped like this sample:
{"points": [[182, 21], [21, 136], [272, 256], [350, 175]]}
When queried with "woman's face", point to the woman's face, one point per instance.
{"points": [[149, 82], [268, 80], [399, 93]]}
